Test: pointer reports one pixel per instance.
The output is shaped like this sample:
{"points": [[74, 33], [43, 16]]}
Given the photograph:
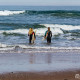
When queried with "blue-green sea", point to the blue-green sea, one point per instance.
{"points": [[64, 22]]}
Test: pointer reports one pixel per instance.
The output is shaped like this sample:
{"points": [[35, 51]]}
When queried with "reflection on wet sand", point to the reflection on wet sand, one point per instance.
{"points": [[32, 59], [39, 61], [36, 58], [48, 58]]}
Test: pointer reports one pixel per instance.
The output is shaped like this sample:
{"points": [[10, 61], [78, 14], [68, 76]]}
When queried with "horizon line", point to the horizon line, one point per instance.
{"points": [[40, 5]]}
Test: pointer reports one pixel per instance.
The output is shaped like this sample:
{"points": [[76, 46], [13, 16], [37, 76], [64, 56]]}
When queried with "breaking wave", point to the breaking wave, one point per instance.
{"points": [[6, 12], [58, 13], [55, 28], [4, 47]]}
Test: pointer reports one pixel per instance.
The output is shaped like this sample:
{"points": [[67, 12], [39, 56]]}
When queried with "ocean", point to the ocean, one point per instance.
{"points": [[62, 54], [64, 22]]}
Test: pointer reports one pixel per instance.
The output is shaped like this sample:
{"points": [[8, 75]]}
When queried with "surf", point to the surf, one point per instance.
{"points": [[56, 29], [57, 13], [7, 12]]}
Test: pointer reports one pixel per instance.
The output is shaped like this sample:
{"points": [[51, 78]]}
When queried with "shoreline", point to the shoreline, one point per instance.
{"points": [[40, 64], [27, 49], [39, 61]]}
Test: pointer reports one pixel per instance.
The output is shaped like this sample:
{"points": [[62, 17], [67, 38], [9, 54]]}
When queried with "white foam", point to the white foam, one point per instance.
{"points": [[6, 12], [39, 31], [12, 47], [6, 47], [20, 31], [3, 45], [56, 29], [64, 27], [37, 47]]}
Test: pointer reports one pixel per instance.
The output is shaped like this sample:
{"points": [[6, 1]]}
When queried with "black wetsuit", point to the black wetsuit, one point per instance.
{"points": [[49, 37], [30, 37]]}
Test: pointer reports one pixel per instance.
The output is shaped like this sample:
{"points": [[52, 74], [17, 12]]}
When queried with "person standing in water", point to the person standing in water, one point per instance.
{"points": [[48, 35], [31, 35]]}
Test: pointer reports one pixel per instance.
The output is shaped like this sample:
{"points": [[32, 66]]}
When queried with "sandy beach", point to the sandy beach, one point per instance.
{"points": [[40, 64], [66, 75]]}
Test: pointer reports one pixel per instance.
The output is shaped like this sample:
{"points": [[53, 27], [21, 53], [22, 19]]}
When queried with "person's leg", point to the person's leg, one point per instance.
{"points": [[48, 40], [30, 38]]}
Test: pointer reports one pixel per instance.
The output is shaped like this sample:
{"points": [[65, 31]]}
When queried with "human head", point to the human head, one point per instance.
{"points": [[48, 28], [31, 29]]}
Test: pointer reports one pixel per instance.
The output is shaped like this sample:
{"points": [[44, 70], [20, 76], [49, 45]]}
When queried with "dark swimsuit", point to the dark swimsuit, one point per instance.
{"points": [[30, 37], [49, 37]]}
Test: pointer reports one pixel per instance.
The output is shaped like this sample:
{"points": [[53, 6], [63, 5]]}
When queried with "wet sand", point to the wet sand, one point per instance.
{"points": [[67, 75], [40, 64]]}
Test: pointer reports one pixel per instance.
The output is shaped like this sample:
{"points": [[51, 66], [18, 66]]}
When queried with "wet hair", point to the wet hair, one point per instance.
{"points": [[48, 28], [30, 31]]}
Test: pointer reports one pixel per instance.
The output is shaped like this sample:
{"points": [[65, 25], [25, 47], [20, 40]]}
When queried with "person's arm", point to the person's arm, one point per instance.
{"points": [[45, 34]]}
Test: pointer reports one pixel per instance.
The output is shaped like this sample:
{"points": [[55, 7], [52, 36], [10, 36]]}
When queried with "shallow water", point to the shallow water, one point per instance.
{"points": [[64, 21], [30, 62]]}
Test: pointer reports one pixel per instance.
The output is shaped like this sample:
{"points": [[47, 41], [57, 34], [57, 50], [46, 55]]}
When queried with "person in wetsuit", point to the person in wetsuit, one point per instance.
{"points": [[48, 35], [31, 35]]}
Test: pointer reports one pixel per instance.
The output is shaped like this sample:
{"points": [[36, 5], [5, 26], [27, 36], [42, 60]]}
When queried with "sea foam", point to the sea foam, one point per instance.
{"points": [[55, 28], [6, 12], [39, 31], [65, 27]]}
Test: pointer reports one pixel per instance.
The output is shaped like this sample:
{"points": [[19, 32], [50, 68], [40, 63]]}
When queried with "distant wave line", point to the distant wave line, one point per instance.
{"points": [[58, 13]]}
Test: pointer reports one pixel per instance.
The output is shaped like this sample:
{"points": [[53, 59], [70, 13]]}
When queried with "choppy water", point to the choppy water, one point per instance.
{"points": [[15, 22]]}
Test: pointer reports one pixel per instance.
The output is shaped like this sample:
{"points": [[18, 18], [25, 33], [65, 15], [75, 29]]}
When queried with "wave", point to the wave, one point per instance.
{"points": [[39, 32], [64, 27], [4, 47], [7, 13], [18, 25], [55, 28], [51, 11], [58, 13]]}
